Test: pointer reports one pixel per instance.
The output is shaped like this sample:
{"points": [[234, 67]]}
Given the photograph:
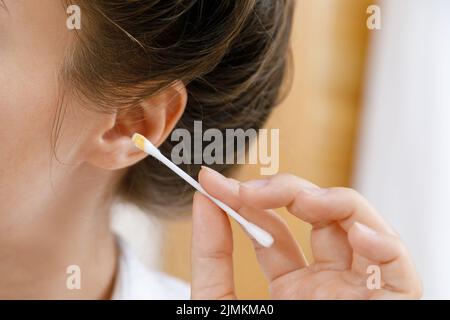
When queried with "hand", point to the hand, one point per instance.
{"points": [[347, 237]]}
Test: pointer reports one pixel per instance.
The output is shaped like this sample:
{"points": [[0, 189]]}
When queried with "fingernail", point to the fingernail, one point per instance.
{"points": [[255, 184], [213, 172], [365, 229], [314, 191]]}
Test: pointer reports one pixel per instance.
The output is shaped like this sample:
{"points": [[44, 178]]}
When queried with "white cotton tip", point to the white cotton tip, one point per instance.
{"points": [[262, 237]]}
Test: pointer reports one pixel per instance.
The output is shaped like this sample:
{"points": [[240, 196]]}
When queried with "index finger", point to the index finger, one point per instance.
{"points": [[212, 250], [317, 206]]}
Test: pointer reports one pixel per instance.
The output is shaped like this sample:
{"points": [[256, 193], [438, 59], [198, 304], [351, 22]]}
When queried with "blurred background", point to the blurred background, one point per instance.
{"points": [[368, 109]]}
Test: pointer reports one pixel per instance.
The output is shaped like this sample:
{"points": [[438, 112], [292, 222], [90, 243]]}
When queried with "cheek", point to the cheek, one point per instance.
{"points": [[25, 126], [30, 107], [28, 101]]}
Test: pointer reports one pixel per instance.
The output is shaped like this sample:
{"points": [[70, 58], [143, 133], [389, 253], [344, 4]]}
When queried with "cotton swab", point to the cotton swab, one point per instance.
{"points": [[261, 236]]}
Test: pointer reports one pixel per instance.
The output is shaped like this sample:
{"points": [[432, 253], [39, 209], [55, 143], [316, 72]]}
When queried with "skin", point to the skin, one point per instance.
{"points": [[348, 236], [54, 210]]}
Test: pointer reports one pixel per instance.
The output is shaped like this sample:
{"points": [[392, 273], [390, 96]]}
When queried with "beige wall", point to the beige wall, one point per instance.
{"points": [[317, 125]]}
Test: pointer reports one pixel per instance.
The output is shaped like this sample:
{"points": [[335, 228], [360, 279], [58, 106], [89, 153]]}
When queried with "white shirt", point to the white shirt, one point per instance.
{"points": [[135, 281]]}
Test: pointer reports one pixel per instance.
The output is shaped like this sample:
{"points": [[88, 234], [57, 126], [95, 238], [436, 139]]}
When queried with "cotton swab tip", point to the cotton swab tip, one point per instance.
{"points": [[139, 141]]}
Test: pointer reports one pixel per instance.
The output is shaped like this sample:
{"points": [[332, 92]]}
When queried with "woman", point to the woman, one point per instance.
{"points": [[70, 98]]}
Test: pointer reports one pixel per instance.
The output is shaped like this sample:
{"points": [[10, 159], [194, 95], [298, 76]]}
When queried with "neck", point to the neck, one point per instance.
{"points": [[71, 227]]}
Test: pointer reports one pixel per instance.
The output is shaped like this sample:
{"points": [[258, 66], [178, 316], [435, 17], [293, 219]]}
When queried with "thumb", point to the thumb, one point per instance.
{"points": [[212, 249]]}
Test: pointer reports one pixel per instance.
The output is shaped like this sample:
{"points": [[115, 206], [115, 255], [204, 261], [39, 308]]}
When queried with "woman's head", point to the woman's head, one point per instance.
{"points": [[145, 66]]}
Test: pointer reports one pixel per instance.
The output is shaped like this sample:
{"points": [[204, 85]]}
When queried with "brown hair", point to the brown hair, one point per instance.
{"points": [[231, 55]]}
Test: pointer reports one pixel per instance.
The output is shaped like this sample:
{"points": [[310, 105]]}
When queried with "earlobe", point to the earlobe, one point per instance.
{"points": [[155, 117]]}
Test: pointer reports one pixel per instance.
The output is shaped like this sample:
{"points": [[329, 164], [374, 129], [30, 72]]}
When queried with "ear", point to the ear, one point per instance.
{"points": [[154, 118]]}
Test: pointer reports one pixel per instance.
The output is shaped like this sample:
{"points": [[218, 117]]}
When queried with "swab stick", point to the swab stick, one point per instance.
{"points": [[261, 236]]}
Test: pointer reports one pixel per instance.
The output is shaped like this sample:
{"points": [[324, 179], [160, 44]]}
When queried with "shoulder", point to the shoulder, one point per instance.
{"points": [[134, 281]]}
